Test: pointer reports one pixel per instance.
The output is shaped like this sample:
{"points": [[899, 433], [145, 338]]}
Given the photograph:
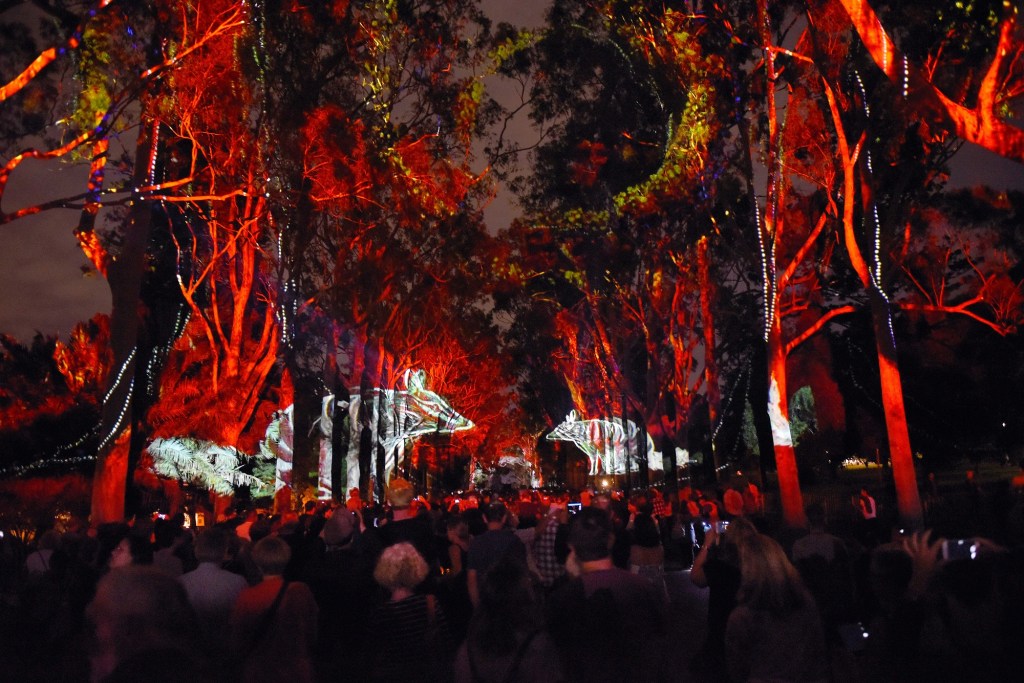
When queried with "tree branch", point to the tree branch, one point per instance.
{"points": [[980, 125]]}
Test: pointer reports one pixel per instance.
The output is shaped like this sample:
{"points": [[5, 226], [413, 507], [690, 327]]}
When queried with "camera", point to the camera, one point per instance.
{"points": [[575, 507], [959, 549]]}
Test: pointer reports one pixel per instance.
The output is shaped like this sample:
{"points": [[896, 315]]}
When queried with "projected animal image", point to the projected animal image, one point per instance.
{"points": [[607, 443], [394, 419]]}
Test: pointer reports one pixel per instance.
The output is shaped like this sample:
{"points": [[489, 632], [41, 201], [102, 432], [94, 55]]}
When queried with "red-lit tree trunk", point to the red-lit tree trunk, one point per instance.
{"points": [[790, 495], [770, 234], [908, 498]]}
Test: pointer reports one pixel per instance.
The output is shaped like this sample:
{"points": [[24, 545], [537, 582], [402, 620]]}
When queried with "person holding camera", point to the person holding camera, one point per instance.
{"points": [[947, 609], [717, 568]]}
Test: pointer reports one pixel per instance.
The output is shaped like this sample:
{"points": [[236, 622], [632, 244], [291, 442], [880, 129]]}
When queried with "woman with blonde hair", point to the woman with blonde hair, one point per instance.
{"points": [[408, 638], [775, 631]]}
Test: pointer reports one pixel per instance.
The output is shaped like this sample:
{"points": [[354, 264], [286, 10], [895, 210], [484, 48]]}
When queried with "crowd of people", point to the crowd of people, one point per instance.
{"points": [[530, 586]]}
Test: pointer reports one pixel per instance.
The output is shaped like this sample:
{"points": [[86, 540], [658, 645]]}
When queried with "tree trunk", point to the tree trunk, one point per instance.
{"points": [[782, 438], [305, 438], [125, 276], [908, 498]]}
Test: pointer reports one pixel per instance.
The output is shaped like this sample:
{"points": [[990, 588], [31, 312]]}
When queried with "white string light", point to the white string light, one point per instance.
{"points": [[120, 418], [120, 375], [863, 93], [52, 460]]}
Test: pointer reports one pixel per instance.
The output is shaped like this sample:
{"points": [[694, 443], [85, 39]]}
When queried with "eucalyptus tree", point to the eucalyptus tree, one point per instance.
{"points": [[622, 187], [374, 108]]}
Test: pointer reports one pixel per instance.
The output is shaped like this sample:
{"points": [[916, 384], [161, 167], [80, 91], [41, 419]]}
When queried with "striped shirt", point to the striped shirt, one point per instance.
{"points": [[405, 645]]}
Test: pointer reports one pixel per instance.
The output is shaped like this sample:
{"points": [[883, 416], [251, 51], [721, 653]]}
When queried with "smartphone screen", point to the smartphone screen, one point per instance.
{"points": [[959, 549]]}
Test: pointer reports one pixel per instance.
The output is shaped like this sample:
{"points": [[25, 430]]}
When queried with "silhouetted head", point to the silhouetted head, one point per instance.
{"points": [[590, 534], [400, 493], [271, 555]]}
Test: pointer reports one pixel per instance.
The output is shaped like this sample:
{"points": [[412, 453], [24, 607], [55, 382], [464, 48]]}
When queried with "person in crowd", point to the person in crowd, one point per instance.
{"points": [[408, 637], [550, 548], [212, 590], [340, 574], [405, 526], [607, 623], [458, 537], [867, 508], [688, 501], [453, 589], [132, 549], [675, 538], [660, 508], [489, 548], [732, 501], [818, 542], [943, 616], [774, 633], [171, 543], [242, 530], [38, 561], [42, 611], [647, 554], [622, 543], [753, 500], [506, 640], [274, 623], [354, 503], [144, 630], [243, 560], [826, 568], [310, 511], [717, 568]]}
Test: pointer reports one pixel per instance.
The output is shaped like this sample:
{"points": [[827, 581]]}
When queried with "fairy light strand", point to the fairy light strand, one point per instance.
{"points": [[120, 375], [120, 418]]}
